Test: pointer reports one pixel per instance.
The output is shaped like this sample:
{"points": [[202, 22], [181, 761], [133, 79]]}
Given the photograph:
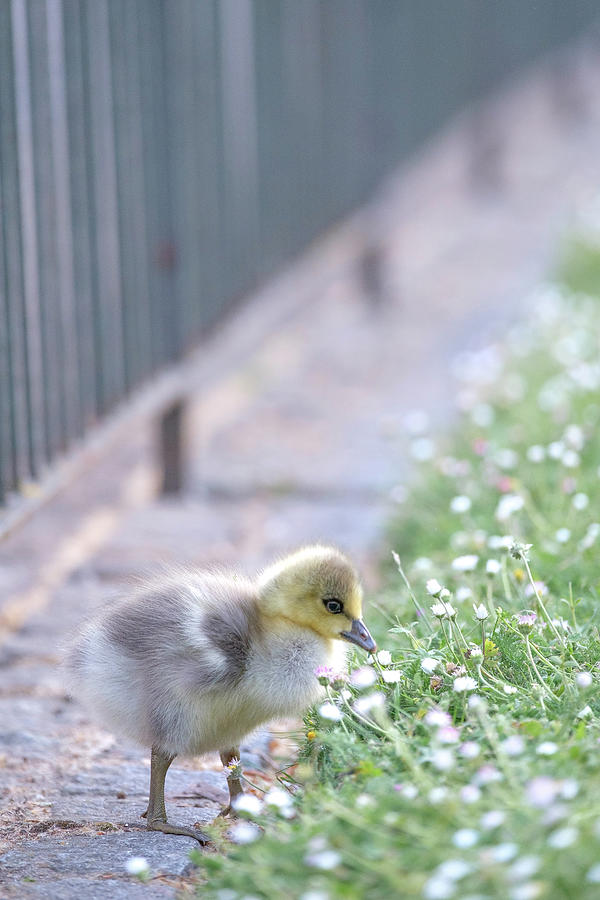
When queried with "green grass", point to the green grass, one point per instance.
{"points": [[420, 788]]}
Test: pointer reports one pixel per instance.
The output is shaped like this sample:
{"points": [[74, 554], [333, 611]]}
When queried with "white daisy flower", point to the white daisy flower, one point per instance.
{"points": [[460, 504], [429, 665], [465, 838], [137, 865], [323, 859], [244, 832], [330, 711], [247, 803], [433, 587], [508, 505], [464, 683], [465, 563], [547, 748]]}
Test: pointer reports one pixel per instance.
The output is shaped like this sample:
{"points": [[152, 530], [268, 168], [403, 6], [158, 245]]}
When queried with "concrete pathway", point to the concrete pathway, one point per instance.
{"points": [[300, 437]]}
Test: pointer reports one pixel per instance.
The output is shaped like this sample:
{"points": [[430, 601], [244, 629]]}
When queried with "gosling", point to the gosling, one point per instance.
{"points": [[192, 662]]}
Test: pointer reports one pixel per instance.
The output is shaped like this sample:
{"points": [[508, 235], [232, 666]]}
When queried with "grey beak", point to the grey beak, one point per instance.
{"points": [[359, 634]]}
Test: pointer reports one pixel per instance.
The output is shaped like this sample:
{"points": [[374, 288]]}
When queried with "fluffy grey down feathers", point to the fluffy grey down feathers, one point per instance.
{"points": [[184, 664]]}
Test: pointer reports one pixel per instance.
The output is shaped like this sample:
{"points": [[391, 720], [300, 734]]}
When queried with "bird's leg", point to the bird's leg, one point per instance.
{"points": [[156, 814], [233, 776]]}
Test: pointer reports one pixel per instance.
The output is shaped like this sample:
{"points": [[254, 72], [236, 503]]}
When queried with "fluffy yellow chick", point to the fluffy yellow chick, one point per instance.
{"points": [[194, 661]]}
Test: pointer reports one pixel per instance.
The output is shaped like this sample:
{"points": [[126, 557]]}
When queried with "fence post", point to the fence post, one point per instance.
{"points": [[171, 448]]}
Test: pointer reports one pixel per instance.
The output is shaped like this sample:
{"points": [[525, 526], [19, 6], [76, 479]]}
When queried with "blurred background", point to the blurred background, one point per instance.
{"points": [[162, 160]]}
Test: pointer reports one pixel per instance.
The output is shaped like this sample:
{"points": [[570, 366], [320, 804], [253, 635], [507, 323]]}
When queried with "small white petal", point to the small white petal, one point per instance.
{"points": [[563, 837], [442, 759], [569, 789], [363, 677], [524, 867], [391, 676], [492, 819], [470, 793], [529, 890], [429, 664], [492, 566], [460, 504], [508, 505], [330, 711], [464, 683], [593, 875], [244, 832], [547, 748], [570, 459], [433, 587], [325, 860], [364, 705], [438, 889], [437, 717], [278, 797], [514, 745], [437, 795], [469, 750], [536, 453], [504, 852], [384, 657], [137, 865], [465, 838], [454, 869], [583, 679], [247, 803], [465, 563]]}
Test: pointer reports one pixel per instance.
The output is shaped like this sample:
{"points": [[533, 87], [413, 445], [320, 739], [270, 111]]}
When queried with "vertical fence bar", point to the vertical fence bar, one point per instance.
{"points": [[238, 99], [31, 294], [16, 466], [107, 262], [130, 189], [303, 83], [79, 209], [59, 139], [46, 234], [5, 411], [179, 45], [205, 125], [160, 252]]}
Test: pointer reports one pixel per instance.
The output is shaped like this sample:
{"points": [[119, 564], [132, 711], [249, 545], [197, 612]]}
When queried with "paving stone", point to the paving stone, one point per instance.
{"points": [[96, 854], [88, 889]]}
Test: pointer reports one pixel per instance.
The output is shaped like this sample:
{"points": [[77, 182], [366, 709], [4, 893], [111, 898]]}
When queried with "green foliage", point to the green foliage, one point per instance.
{"points": [[579, 268], [464, 761]]}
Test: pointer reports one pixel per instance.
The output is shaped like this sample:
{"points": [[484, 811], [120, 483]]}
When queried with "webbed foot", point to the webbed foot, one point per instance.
{"points": [[169, 828]]}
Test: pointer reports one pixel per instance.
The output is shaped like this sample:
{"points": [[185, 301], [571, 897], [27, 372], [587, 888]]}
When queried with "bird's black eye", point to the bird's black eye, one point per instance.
{"points": [[334, 606]]}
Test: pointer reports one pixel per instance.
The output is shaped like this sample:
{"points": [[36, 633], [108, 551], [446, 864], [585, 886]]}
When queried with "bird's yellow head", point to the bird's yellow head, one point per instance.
{"points": [[316, 587]]}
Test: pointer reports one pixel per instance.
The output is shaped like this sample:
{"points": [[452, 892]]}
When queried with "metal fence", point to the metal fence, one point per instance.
{"points": [[158, 157]]}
